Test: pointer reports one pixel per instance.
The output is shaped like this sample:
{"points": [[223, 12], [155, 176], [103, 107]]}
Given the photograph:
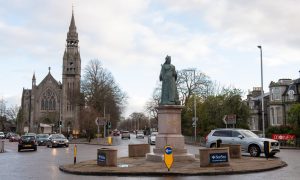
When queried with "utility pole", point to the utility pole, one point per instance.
{"points": [[195, 104], [262, 92]]}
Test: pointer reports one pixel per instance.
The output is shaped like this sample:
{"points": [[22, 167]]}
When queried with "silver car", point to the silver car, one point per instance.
{"points": [[152, 138], [2, 136], [250, 142], [140, 134], [125, 134]]}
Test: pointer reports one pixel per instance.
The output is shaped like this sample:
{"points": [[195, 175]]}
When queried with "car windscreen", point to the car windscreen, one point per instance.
{"points": [[249, 134], [27, 137], [154, 134], [42, 136], [58, 136]]}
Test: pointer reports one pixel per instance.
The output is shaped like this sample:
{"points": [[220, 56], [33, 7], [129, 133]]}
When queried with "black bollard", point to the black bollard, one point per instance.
{"points": [[267, 149], [219, 141]]}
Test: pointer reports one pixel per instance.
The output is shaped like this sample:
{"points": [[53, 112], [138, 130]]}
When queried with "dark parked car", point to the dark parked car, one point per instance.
{"points": [[7, 136], [27, 142], [42, 139], [56, 140], [116, 133], [14, 138]]}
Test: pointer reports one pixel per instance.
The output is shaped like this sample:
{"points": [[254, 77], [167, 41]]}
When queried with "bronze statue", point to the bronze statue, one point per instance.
{"points": [[168, 76]]}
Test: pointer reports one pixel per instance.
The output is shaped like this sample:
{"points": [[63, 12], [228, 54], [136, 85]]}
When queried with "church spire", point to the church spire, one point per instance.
{"points": [[33, 80], [33, 77], [72, 37]]}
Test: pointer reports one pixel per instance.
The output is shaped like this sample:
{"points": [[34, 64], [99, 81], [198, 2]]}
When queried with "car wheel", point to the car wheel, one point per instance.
{"points": [[67, 145], [35, 149], [19, 149], [213, 145], [254, 151]]}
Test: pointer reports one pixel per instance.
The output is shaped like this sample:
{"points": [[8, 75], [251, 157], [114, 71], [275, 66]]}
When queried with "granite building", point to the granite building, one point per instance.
{"points": [[52, 103], [282, 95]]}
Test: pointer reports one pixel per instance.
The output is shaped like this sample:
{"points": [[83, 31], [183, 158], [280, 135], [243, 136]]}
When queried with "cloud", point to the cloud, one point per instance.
{"points": [[132, 38]]}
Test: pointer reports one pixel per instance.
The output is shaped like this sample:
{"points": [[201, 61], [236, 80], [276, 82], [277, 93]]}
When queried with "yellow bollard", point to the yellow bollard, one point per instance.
{"points": [[109, 140], [75, 153]]}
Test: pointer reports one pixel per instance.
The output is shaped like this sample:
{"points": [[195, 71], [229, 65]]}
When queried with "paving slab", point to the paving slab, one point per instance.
{"points": [[141, 167]]}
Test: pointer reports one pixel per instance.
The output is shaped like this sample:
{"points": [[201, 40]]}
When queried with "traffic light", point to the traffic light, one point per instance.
{"points": [[108, 125]]}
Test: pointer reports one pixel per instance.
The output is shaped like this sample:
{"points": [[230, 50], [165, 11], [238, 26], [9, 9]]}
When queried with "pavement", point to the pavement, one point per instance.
{"points": [[141, 167]]}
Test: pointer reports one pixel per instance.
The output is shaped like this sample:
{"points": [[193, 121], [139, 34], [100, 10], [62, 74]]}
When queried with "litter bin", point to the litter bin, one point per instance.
{"points": [[107, 157], [109, 140]]}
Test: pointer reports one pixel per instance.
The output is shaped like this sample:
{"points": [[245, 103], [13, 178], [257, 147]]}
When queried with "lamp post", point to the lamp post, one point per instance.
{"points": [[262, 92], [195, 112]]}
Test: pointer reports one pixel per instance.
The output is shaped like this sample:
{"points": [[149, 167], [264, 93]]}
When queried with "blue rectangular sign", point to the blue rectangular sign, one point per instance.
{"points": [[101, 158], [218, 157]]}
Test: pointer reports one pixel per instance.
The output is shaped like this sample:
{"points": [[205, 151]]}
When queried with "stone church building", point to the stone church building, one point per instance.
{"points": [[52, 105]]}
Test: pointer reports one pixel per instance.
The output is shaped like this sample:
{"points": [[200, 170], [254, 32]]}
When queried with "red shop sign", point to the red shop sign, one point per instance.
{"points": [[283, 136]]}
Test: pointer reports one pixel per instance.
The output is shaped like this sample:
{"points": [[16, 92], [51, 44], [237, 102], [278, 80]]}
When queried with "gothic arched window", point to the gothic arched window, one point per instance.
{"points": [[42, 104], [291, 94], [48, 101]]}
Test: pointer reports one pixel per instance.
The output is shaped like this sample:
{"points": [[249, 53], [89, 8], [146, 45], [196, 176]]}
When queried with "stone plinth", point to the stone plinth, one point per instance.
{"points": [[234, 150], [138, 150], [107, 157], [206, 159], [169, 133]]}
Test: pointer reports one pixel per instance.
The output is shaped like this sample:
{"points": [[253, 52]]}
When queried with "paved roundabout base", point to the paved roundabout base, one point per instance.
{"points": [[141, 167]]}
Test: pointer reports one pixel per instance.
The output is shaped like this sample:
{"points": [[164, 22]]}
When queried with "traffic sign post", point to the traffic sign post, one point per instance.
{"points": [[97, 121], [168, 157], [229, 119]]}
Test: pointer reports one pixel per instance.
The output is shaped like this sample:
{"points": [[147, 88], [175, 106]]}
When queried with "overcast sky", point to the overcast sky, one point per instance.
{"points": [[132, 37]]}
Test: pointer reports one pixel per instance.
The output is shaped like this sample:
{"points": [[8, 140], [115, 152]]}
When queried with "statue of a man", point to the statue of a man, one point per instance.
{"points": [[168, 76]]}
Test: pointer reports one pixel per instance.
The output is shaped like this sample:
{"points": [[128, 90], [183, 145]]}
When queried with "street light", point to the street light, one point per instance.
{"points": [[195, 112], [262, 92]]}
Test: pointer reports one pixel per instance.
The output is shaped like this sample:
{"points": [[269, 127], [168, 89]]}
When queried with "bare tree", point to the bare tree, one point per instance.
{"points": [[12, 113], [101, 92], [152, 104], [140, 120], [188, 85], [2, 107]]}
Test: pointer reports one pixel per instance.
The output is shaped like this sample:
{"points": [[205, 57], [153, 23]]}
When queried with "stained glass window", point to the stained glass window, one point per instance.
{"points": [[48, 101]]}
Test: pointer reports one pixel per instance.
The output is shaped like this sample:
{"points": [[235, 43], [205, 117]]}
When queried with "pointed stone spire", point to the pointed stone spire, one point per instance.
{"points": [[72, 37], [33, 77], [72, 27], [33, 80]]}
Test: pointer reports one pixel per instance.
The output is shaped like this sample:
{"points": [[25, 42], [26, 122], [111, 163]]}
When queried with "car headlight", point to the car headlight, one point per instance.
{"points": [[54, 141]]}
